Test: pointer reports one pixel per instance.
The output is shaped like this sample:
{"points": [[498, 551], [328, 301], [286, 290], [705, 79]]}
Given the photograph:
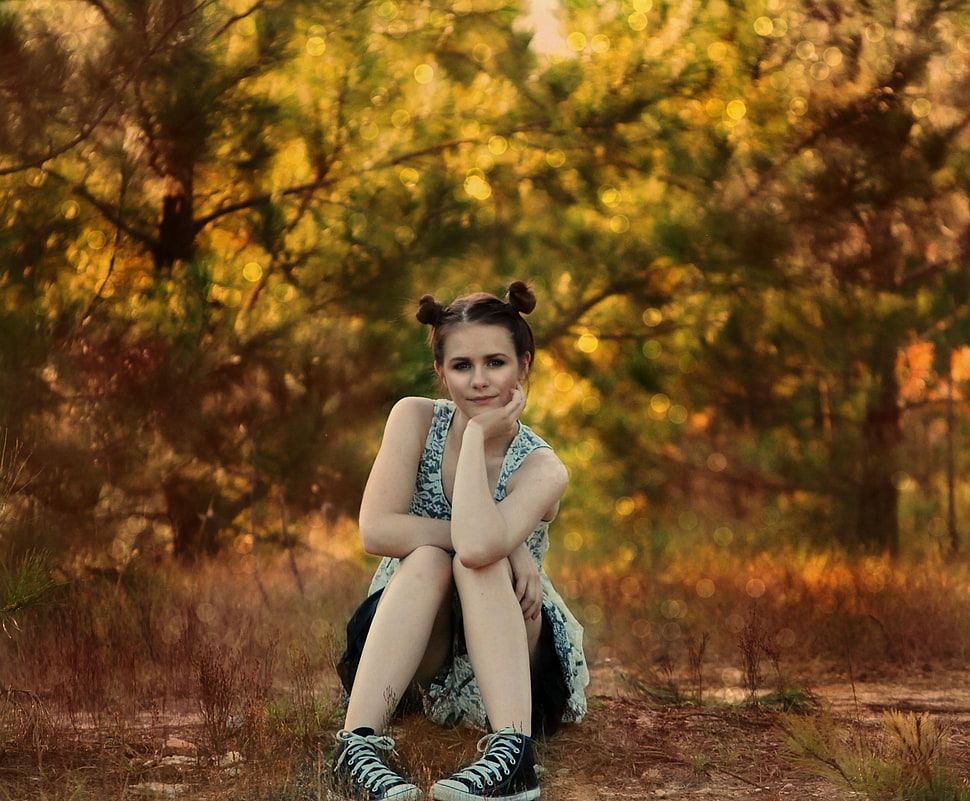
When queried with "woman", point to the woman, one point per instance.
{"points": [[460, 617]]}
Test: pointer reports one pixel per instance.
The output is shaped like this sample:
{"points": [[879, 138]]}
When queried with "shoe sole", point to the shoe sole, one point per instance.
{"points": [[442, 792], [412, 794]]}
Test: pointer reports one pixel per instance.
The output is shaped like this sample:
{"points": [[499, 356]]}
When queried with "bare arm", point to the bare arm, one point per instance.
{"points": [[482, 531], [386, 526]]}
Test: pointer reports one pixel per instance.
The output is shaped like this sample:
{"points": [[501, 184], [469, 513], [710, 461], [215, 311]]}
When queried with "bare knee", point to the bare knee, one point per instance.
{"points": [[428, 566], [496, 575]]}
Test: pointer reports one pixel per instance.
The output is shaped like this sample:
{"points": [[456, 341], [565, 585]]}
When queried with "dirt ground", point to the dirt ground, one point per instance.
{"points": [[639, 748], [632, 745], [629, 748]]}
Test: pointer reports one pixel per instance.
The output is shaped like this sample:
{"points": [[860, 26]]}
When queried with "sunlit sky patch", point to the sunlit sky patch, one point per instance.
{"points": [[543, 19]]}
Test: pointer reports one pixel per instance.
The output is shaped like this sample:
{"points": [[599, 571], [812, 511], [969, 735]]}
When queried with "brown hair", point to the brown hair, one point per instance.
{"points": [[483, 308]]}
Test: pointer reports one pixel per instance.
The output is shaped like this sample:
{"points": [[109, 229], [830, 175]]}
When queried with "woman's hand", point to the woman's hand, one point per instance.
{"points": [[504, 421], [528, 586]]}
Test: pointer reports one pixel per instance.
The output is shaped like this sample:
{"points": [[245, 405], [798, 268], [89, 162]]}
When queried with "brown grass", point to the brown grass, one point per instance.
{"points": [[207, 679]]}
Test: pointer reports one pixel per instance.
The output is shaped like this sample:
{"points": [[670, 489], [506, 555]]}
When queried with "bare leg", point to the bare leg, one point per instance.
{"points": [[400, 637], [500, 642]]}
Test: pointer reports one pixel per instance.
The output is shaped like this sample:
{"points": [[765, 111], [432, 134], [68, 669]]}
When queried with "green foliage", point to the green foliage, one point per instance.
{"points": [[25, 582], [909, 764], [215, 220]]}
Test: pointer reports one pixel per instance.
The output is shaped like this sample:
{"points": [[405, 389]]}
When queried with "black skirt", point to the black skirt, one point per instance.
{"points": [[549, 689]]}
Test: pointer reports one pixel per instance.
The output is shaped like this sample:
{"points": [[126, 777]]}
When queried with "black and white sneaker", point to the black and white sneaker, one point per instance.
{"points": [[360, 772], [505, 772]]}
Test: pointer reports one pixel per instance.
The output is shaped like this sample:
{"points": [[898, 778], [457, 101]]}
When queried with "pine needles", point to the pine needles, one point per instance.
{"points": [[908, 761]]}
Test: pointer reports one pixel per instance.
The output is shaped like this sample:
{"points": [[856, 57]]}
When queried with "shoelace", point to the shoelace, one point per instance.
{"points": [[500, 755], [360, 757]]}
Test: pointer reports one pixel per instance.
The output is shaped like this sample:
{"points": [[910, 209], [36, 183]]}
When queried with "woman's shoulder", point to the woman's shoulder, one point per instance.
{"points": [[546, 460], [537, 455], [412, 404], [410, 414]]}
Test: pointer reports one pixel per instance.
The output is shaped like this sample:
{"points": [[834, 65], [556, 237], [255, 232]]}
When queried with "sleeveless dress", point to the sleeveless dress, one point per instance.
{"points": [[453, 697]]}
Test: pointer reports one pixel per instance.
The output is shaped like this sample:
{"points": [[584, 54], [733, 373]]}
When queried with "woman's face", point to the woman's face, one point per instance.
{"points": [[480, 368]]}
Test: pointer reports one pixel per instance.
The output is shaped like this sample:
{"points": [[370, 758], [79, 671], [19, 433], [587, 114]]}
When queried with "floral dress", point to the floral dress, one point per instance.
{"points": [[454, 697]]}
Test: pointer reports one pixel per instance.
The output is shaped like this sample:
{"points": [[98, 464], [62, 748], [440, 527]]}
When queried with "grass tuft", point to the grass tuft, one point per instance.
{"points": [[908, 762]]}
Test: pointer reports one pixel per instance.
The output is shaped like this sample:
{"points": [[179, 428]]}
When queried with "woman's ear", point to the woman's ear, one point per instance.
{"points": [[524, 365]]}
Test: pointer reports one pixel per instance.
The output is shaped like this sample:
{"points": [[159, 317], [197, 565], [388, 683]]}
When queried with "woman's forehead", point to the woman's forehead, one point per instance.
{"points": [[466, 339]]}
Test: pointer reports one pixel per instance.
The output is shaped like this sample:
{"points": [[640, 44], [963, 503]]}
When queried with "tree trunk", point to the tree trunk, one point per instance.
{"points": [[176, 231], [877, 521]]}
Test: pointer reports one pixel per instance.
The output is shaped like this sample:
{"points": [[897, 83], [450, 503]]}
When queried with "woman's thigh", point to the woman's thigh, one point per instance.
{"points": [[438, 652]]}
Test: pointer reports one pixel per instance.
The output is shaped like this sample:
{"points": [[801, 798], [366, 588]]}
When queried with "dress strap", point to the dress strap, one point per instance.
{"points": [[524, 443]]}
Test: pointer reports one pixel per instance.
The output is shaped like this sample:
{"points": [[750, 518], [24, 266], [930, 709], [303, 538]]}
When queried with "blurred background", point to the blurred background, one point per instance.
{"points": [[747, 223]]}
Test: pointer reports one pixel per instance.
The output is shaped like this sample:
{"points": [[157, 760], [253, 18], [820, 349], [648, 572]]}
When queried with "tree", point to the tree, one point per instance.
{"points": [[866, 217], [780, 191], [240, 200], [232, 201]]}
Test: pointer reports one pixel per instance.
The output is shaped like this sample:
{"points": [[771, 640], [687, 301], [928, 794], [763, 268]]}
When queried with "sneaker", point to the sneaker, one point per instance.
{"points": [[362, 774], [505, 772]]}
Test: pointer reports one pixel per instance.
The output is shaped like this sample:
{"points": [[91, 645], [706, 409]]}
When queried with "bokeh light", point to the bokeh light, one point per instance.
{"points": [[555, 158], [316, 46], [477, 186], [498, 145], [409, 176], [619, 224], [637, 21], [424, 74], [252, 271], [573, 541], [563, 381], [716, 462], [736, 110], [587, 342], [576, 41], [723, 535], [625, 506], [609, 195]]}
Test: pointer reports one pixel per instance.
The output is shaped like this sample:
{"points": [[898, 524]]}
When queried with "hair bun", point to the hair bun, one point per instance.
{"points": [[429, 311], [521, 297]]}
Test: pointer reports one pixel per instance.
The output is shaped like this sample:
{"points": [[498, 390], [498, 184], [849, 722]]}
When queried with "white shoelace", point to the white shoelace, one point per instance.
{"points": [[365, 766], [500, 755]]}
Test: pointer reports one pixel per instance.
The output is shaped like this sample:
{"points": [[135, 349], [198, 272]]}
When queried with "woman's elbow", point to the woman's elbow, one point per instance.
{"points": [[477, 558], [370, 536], [371, 545]]}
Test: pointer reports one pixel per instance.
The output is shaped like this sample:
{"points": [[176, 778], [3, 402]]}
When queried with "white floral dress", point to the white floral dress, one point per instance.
{"points": [[454, 697]]}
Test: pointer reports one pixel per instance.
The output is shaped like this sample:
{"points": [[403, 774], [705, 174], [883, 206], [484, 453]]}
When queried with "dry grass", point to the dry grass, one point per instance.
{"points": [[208, 681], [773, 620]]}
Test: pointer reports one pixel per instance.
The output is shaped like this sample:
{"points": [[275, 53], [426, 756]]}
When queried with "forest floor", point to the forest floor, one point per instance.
{"points": [[633, 744], [631, 747], [221, 728], [724, 752]]}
